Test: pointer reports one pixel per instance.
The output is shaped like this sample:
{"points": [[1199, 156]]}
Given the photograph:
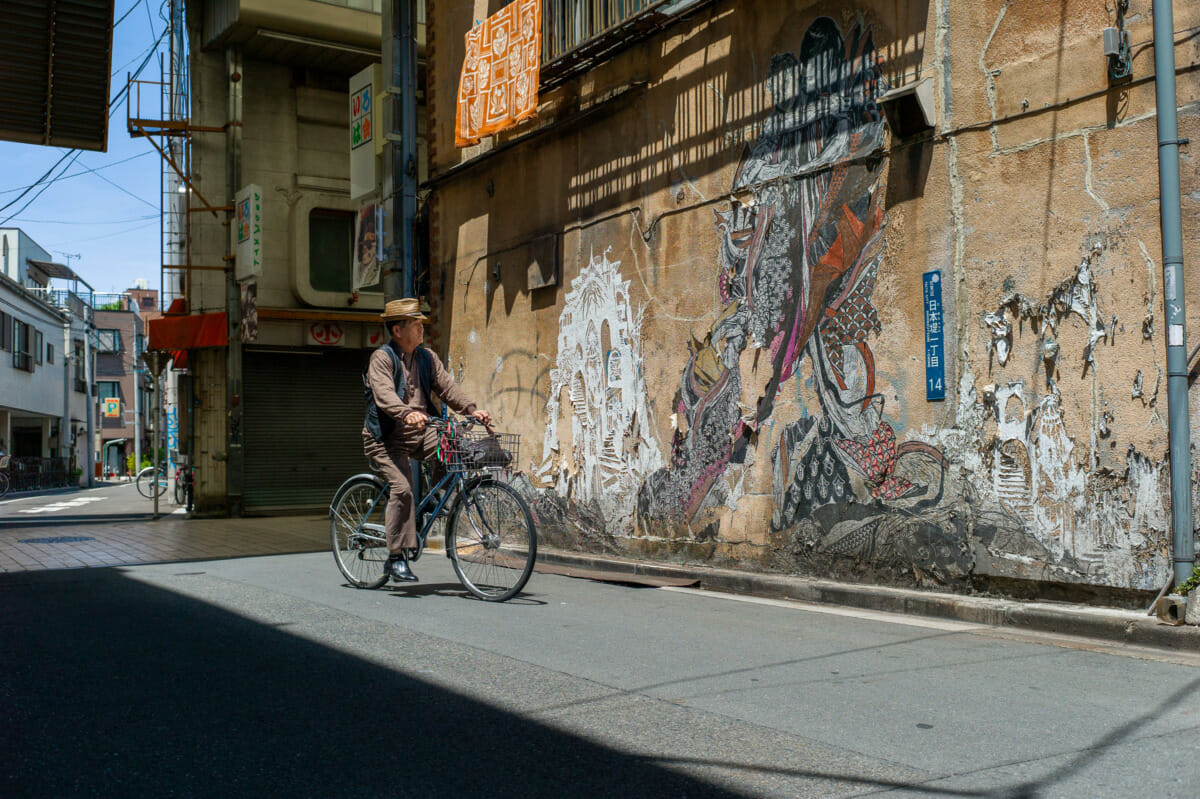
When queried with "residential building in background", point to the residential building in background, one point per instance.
{"points": [[45, 326], [123, 390]]}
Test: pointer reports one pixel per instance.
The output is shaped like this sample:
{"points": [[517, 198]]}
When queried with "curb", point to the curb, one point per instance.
{"points": [[1061, 618]]}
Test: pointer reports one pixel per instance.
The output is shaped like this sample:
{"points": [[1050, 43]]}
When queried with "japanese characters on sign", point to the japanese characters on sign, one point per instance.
{"points": [[935, 343], [326, 334], [112, 408], [360, 117], [248, 211]]}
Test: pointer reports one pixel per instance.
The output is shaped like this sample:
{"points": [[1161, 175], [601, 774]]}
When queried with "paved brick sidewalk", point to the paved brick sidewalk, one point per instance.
{"points": [[81, 542]]}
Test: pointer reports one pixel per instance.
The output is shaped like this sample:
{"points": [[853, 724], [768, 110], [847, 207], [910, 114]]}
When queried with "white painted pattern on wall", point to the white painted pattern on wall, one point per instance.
{"points": [[599, 374]]}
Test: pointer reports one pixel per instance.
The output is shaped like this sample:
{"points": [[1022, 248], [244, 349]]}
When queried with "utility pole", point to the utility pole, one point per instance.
{"points": [[400, 171], [1183, 537]]}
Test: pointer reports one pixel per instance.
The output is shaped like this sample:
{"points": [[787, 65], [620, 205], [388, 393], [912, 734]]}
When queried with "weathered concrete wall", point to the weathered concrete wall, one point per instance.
{"points": [[730, 365]]}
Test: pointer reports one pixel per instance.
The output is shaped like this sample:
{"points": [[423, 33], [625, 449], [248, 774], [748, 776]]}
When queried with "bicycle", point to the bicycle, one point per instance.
{"points": [[490, 537], [147, 482], [183, 485], [5, 482]]}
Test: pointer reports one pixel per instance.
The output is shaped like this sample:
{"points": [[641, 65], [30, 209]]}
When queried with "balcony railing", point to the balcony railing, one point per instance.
{"points": [[578, 33], [32, 474]]}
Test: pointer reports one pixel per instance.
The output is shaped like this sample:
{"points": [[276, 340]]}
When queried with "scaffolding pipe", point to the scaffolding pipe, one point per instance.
{"points": [[1183, 540], [400, 178]]}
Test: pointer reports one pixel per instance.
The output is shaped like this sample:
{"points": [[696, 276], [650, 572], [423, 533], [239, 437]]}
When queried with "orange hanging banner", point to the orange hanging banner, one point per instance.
{"points": [[499, 83]]}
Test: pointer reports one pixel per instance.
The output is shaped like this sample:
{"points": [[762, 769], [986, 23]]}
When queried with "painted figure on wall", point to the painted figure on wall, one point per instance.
{"points": [[798, 267]]}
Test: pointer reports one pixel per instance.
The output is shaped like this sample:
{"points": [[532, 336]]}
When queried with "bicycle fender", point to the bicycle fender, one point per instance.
{"points": [[379, 481]]}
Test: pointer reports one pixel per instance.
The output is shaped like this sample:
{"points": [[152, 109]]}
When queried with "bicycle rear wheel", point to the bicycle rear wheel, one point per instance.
{"points": [[491, 541], [179, 490], [356, 529], [4, 483], [148, 482]]}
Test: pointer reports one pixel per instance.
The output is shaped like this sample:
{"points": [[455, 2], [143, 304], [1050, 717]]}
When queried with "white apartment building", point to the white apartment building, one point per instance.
{"points": [[44, 348]]}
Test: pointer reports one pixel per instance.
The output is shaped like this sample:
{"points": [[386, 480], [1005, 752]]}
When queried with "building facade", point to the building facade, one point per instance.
{"points": [[44, 349], [123, 388], [870, 290], [270, 410]]}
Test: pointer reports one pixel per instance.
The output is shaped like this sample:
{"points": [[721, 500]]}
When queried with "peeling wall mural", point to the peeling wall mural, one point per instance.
{"points": [[598, 376], [1057, 510], [798, 267]]}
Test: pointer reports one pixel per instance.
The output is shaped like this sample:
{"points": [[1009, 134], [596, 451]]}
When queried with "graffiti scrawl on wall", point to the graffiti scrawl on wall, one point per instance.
{"points": [[599, 377]]}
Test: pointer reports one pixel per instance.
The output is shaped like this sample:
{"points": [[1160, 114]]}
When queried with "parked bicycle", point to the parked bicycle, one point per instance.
{"points": [[5, 482], [183, 485], [150, 481], [490, 538]]}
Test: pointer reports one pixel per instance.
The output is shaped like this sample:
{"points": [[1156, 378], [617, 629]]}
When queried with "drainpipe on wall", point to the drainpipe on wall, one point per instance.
{"points": [[400, 172], [1184, 544], [235, 461]]}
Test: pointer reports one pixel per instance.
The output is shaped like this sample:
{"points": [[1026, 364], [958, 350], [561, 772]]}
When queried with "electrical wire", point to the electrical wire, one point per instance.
{"points": [[97, 222], [88, 171]]}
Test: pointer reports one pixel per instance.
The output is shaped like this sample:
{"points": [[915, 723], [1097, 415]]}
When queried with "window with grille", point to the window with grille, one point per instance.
{"points": [[80, 368], [108, 340], [22, 358], [566, 24]]}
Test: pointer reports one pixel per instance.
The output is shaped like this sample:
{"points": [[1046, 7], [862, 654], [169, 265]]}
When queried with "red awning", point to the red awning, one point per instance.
{"points": [[189, 332]]}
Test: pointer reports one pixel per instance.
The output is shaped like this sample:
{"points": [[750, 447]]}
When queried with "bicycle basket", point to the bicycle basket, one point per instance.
{"points": [[462, 451]]}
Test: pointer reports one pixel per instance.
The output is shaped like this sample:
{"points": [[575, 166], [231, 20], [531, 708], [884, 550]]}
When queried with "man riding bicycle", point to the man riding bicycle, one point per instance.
{"points": [[402, 379]]}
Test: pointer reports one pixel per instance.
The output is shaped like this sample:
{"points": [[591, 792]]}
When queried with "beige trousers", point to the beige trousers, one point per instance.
{"points": [[391, 459]]}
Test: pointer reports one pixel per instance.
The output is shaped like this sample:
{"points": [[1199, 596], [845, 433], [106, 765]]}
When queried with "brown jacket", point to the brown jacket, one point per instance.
{"points": [[380, 378]]}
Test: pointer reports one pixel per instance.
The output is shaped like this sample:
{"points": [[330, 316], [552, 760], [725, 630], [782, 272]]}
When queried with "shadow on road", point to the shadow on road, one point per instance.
{"points": [[115, 688]]}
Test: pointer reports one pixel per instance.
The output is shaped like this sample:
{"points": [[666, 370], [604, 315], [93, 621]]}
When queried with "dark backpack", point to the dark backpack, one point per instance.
{"points": [[381, 426]]}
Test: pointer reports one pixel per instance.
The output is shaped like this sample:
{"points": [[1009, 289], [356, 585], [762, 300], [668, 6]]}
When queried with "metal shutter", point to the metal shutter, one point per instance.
{"points": [[303, 418]]}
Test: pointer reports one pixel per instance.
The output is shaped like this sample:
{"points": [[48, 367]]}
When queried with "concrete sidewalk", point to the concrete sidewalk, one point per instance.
{"points": [[1060, 618]]}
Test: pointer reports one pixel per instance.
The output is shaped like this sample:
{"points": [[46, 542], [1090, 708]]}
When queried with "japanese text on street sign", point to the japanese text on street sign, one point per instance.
{"points": [[935, 346], [248, 206]]}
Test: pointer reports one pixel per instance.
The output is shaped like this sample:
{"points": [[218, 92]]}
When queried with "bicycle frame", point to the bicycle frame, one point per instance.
{"points": [[450, 481]]}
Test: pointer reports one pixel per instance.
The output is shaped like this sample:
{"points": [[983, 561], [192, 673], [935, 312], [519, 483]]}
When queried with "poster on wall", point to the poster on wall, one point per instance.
{"points": [[249, 324], [367, 254], [498, 86], [112, 408], [248, 231]]}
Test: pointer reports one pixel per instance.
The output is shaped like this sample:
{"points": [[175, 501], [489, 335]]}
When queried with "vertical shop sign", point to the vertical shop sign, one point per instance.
{"points": [[248, 249]]}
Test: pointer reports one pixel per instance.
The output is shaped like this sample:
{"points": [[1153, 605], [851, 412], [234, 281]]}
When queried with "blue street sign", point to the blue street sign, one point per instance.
{"points": [[935, 344]]}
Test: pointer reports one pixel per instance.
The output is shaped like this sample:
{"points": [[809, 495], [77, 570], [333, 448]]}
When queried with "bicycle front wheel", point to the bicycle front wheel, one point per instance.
{"points": [[148, 482], [356, 528], [4, 484], [491, 541]]}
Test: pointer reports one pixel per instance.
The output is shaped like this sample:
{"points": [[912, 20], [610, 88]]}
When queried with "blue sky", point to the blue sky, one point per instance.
{"points": [[110, 217]]}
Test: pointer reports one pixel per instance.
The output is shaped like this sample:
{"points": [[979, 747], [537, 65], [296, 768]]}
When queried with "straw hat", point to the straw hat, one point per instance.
{"points": [[403, 309]]}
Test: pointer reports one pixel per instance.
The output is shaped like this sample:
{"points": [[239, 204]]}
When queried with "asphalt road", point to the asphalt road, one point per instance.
{"points": [[269, 677], [108, 500]]}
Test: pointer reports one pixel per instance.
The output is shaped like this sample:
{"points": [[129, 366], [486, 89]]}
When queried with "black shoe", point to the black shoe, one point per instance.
{"points": [[397, 568]]}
